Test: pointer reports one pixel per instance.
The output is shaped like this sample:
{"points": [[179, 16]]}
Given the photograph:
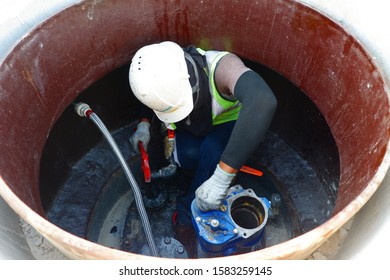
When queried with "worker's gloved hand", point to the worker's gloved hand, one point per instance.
{"points": [[141, 134], [211, 193]]}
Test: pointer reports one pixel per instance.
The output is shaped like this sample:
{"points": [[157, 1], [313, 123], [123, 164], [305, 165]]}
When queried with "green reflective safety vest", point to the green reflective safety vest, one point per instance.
{"points": [[223, 110]]}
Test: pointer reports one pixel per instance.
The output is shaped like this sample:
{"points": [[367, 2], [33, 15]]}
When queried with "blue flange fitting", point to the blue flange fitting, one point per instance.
{"points": [[238, 224]]}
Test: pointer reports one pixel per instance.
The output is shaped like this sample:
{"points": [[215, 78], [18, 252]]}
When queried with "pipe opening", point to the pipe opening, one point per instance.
{"points": [[247, 212]]}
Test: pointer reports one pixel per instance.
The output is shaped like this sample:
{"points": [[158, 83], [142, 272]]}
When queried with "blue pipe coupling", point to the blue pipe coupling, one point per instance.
{"points": [[237, 225]]}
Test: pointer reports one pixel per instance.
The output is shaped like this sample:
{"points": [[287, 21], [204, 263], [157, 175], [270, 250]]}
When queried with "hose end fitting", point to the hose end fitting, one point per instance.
{"points": [[82, 109]]}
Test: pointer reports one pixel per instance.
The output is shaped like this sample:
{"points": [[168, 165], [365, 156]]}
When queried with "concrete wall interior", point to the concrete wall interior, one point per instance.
{"points": [[50, 61]]}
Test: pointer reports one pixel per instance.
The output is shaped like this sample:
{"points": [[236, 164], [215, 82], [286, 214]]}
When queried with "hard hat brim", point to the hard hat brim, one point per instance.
{"points": [[180, 113]]}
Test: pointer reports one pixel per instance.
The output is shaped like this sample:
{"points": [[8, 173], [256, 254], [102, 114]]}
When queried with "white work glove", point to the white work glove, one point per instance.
{"points": [[210, 194], [141, 134]]}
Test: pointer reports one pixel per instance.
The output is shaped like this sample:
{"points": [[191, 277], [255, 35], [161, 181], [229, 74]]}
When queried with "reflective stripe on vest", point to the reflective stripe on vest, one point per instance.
{"points": [[222, 110]]}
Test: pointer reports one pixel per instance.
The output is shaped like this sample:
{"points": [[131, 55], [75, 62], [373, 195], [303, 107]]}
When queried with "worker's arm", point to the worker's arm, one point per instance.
{"points": [[257, 111], [237, 82], [227, 168], [258, 107]]}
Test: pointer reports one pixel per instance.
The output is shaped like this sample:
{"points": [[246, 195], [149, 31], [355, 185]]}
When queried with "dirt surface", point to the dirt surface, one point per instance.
{"points": [[40, 247], [329, 249]]}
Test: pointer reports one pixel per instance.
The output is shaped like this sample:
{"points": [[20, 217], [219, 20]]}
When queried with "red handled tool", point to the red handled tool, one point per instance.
{"points": [[171, 134], [145, 162], [251, 170]]}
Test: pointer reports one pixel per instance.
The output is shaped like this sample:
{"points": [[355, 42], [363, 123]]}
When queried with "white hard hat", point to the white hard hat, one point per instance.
{"points": [[159, 79]]}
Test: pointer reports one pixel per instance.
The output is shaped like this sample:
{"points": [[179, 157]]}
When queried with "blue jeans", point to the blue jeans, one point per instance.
{"points": [[200, 155]]}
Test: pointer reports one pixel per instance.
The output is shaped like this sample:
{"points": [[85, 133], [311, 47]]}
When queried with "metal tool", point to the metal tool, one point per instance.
{"points": [[164, 172]]}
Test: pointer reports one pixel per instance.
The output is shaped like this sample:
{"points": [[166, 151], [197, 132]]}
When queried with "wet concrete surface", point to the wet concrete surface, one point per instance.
{"points": [[72, 205]]}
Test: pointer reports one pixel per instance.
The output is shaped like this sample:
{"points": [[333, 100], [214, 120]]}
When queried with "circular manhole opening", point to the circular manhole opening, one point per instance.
{"points": [[70, 51]]}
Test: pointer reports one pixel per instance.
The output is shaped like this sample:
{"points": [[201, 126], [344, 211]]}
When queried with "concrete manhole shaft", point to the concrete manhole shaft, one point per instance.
{"points": [[70, 51]]}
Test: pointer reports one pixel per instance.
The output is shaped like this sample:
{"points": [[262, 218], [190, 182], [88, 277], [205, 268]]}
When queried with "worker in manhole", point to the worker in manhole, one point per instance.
{"points": [[219, 109]]}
